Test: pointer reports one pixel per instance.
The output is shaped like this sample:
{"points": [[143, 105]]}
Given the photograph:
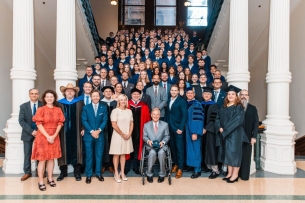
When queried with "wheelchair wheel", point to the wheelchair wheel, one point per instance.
{"points": [[143, 178], [169, 179]]}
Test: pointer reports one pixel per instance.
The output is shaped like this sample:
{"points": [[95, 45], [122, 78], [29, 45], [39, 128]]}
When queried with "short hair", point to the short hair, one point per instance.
{"points": [[174, 85], [89, 67], [156, 109], [96, 75], [88, 82], [192, 56], [33, 89], [93, 91], [217, 79], [213, 66]]}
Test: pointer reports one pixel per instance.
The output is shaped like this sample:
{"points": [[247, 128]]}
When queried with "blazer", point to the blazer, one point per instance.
{"points": [[162, 134], [92, 122], [176, 116], [251, 122], [159, 100], [221, 98], [25, 120], [168, 87], [128, 89]]}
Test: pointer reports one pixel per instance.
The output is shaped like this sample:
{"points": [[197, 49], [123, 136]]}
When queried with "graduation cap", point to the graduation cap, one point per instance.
{"points": [[189, 89], [108, 87], [233, 88], [208, 89], [135, 90], [156, 145]]}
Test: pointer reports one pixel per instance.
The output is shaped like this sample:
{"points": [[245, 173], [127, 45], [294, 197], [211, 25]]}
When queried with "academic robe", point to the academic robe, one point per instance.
{"points": [[231, 120], [251, 129], [140, 112], [70, 137], [194, 126], [108, 131], [209, 145]]}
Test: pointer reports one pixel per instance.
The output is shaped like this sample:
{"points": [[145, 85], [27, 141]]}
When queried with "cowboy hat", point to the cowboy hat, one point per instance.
{"points": [[69, 86]]}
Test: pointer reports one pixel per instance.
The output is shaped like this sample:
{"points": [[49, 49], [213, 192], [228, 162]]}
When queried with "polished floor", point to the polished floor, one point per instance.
{"points": [[262, 187]]}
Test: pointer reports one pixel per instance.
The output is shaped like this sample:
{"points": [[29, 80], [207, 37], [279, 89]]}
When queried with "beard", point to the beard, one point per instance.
{"points": [[244, 102], [156, 82]]}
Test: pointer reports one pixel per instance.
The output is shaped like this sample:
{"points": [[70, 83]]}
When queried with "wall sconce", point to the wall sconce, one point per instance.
{"points": [[113, 2], [187, 3]]}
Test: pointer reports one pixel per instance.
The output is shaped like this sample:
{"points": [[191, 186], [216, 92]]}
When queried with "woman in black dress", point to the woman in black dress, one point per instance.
{"points": [[229, 123]]}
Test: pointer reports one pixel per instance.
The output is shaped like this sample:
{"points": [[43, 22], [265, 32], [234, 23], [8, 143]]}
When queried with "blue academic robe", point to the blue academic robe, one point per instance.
{"points": [[194, 126]]}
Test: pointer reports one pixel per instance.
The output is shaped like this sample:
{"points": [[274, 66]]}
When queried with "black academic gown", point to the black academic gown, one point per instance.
{"points": [[210, 148], [108, 132], [251, 129], [231, 120]]}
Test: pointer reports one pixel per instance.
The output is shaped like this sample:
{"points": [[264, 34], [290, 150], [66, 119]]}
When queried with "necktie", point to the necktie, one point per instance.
{"points": [[156, 128], [216, 95], [164, 85], [95, 109], [125, 85], [33, 125], [156, 91], [102, 83], [87, 99]]}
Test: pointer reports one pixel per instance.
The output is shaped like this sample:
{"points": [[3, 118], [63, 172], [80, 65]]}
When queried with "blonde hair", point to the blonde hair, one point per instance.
{"points": [[120, 97]]}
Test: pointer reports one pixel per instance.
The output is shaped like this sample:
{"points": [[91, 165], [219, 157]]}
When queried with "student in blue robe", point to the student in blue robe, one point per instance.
{"points": [[194, 130]]}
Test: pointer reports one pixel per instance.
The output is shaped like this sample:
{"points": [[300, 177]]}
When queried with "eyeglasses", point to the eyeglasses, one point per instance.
{"points": [[243, 95]]}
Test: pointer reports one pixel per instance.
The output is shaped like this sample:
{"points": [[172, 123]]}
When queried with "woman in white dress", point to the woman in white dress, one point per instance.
{"points": [[121, 142]]}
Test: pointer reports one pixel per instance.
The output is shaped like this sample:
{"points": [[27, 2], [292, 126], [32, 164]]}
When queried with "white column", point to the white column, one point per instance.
{"points": [[23, 75], [238, 74], [65, 71], [278, 139]]}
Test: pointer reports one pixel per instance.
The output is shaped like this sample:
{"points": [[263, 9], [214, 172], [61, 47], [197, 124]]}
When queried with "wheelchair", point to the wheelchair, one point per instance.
{"points": [[144, 164]]}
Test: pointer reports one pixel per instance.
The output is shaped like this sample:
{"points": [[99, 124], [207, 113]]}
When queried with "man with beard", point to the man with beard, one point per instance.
{"points": [[70, 133], [140, 112], [108, 91], [210, 141], [96, 80], [251, 128]]}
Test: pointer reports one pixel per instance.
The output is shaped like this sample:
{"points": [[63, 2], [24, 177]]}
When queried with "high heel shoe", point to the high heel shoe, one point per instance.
{"points": [[225, 179], [125, 179], [117, 180], [42, 187], [51, 183], [232, 181]]}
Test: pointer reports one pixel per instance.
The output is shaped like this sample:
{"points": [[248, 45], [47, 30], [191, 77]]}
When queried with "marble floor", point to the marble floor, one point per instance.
{"points": [[262, 187]]}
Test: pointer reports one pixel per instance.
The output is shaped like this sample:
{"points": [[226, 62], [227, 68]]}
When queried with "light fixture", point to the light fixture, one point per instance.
{"points": [[113, 2], [187, 3]]}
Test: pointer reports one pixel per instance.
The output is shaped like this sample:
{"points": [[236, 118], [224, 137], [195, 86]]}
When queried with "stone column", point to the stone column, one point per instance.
{"points": [[238, 74], [23, 75], [278, 139], [65, 71]]}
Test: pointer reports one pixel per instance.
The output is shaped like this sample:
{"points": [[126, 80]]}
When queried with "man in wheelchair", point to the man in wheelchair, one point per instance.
{"points": [[156, 137]]}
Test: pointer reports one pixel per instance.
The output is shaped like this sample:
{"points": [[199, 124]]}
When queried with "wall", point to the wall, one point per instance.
{"points": [[6, 43], [297, 61], [106, 17]]}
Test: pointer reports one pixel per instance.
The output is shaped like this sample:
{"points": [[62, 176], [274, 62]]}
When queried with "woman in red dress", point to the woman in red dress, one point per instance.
{"points": [[49, 120]]}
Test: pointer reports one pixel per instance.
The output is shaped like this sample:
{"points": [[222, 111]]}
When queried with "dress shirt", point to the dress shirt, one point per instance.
{"points": [[171, 102], [85, 99], [32, 105], [89, 78]]}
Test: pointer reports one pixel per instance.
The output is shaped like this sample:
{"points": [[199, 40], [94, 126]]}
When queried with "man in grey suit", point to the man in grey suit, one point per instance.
{"points": [[157, 95], [127, 86], [156, 131], [29, 129], [164, 83]]}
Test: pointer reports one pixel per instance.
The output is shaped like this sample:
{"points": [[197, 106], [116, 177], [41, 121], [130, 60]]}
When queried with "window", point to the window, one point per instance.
{"points": [[165, 12], [197, 13], [134, 12]]}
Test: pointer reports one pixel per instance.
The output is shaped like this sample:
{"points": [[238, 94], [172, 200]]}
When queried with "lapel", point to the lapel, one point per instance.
{"points": [[29, 109], [175, 102], [99, 110], [91, 109], [153, 130]]}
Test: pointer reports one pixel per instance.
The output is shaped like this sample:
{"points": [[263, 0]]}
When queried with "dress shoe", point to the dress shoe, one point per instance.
{"points": [[213, 175], [136, 171], [100, 178], [196, 175], [160, 179], [150, 179], [111, 169], [205, 170], [103, 169], [61, 177], [175, 169], [225, 179], [232, 181], [26, 176], [88, 180], [178, 174], [78, 177], [187, 169]]}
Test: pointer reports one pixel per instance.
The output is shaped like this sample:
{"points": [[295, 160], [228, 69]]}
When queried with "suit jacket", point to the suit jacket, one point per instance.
{"points": [[159, 100], [194, 69], [168, 87], [169, 62], [25, 120], [128, 89], [162, 134], [221, 98], [251, 122], [92, 122], [176, 116], [147, 100]]}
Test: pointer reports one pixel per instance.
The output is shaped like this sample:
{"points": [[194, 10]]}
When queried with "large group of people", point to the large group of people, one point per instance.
{"points": [[146, 89]]}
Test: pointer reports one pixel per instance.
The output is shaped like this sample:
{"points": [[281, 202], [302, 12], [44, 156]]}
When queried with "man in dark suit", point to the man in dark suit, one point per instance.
{"points": [[104, 81], [127, 86], [176, 116], [251, 128], [144, 97], [29, 129], [158, 58], [86, 78], [94, 119], [219, 94], [199, 89], [193, 67], [170, 60]]}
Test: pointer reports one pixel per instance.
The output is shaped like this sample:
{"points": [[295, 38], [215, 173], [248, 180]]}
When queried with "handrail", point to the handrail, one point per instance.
{"points": [[211, 24]]}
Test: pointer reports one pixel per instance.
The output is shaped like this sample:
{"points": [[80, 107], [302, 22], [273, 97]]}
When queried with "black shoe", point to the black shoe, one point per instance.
{"points": [[213, 175], [225, 174], [78, 177], [136, 171], [160, 179], [126, 171], [195, 175], [100, 178], [88, 180], [187, 169], [150, 179], [232, 181], [61, 177], [225, 179], [205, 170]]}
